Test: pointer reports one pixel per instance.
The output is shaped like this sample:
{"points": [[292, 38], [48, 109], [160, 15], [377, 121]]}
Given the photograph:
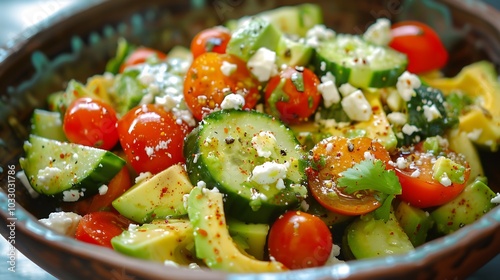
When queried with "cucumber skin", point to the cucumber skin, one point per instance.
{"points": [[108, 166], [234, 204]]}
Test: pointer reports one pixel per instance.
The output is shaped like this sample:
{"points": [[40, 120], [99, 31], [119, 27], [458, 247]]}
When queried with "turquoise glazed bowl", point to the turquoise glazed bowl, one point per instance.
{"points": [[77, 47]]}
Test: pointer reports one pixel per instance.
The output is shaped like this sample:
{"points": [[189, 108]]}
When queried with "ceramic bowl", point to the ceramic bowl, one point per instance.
{"points": [[77, 46]]}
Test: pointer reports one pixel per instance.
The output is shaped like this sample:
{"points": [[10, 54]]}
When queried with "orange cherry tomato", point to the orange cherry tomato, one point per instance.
{"points": [[141, 55], [293, 95], [419, 188], [421, 44], [151, 138], [206, 83], [329, 159], [210, 40], [300, 240], [100, 227], [91, 122]]}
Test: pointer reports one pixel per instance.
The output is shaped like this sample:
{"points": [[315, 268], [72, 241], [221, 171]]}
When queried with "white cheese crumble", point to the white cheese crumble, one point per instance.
{"points": [[356, 106], [333, 256], [475, 134], [143, 176], [406, 84], [445, 180], [233, 101], [330, 93], [262, 64], [397, 118], [48, 174], [317, 34], [62, 222], [431, 112], [264, 143], [269, 172], [496, 199], [228, 68], [71, 195], [346, 89], [409, 129], [379, 33], [103, 190]]}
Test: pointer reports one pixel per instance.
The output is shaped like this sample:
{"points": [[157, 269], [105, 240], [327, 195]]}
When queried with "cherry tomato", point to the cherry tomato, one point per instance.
{"points": [[91, 122], [293, 95], [210, 40], [102, 202], [151, 138], [419, 188], [421, 44], [100, 227], [141, 55], [300, 240], [207, 83], [329, 159]]}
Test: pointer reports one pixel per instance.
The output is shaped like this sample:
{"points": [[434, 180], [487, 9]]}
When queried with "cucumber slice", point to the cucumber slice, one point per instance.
{"points": [[67, 171], [47, 124], [362, 64], [220, 153]]}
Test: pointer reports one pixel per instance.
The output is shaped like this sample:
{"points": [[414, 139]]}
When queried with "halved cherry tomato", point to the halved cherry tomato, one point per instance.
{"points": [[329, 159], [91, 122], [206, 83], [141, 55], [151, 138], [300, 240], [417, 183], [210, 40], [102, 202], [100, 227], [421, 44], [293, 95]]}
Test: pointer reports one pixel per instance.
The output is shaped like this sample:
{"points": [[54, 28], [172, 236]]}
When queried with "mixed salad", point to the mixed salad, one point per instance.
{"points": [[271, 143]]}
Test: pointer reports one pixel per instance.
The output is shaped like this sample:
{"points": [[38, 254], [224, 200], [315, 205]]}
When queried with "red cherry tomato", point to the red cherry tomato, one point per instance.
{"points": [[329, 159], [293, 95], [419, 188], [421, 44], [151, 138], [206, 84], [100, 227], [141, 55], [91, 122], [300, 240], [210, 40]]}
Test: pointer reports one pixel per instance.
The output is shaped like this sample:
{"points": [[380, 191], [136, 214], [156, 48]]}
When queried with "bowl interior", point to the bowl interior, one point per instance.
{"points": [[77, 48]]}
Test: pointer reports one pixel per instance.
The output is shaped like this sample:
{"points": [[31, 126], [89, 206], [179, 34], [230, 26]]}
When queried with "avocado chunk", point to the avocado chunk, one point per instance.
{"points": [[461, 144], [160, 241], [213, 242], [446, 171], [415, 222], [292, 52], [368, 237], [466, 208], [255, 34], [160, 196], [254, 236]]}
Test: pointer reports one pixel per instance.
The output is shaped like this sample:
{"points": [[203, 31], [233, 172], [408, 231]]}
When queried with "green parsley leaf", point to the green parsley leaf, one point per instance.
{"points": [[370, 175]]}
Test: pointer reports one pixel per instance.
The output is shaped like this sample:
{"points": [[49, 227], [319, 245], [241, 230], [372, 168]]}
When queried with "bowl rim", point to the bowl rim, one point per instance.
{"points": [[27, 224]]}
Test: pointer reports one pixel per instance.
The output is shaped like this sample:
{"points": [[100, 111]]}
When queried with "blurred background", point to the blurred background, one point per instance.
{"points": [[18, 19]]}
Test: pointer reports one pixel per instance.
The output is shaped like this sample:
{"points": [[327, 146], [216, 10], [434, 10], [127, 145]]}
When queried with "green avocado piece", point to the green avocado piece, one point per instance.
{"points": [[255, 34], [368, 237], [292, 52], [415, 222], [254, 236], [472, 203], [213, 242], [160, 241], [445, 168], [157, 197]]}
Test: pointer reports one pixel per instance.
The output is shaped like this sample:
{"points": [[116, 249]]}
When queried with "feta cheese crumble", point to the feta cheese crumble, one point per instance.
{"points": [[356, 106], [62, 222], [264, 143], [330, 93], [269, 172], [228, 68], [379, 33], [233, 101], [262, 64], [406, 85], [496, 199], [317, 34], [431, 112]]}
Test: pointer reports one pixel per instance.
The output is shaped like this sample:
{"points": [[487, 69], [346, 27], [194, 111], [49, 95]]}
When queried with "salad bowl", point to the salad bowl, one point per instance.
{"points": [[78, 46]]}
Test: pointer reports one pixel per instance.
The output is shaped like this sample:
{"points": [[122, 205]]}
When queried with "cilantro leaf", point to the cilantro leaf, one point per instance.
{"points": [[370, 175]]}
